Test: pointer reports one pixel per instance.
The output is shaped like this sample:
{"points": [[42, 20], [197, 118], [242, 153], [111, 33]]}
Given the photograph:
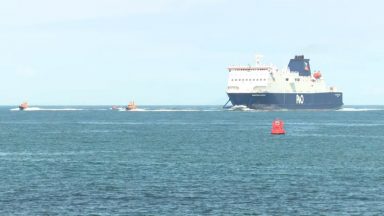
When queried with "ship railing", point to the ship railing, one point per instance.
{"points": [[245, 68], [233, 88], [332, 89]]}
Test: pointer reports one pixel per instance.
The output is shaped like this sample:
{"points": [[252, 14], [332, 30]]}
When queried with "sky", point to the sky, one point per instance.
{"points": [[176, 52]]}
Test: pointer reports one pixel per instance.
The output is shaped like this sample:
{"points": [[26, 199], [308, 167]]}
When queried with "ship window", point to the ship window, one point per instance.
{"points": [[297, 79], [253, 79], [286, 79]]}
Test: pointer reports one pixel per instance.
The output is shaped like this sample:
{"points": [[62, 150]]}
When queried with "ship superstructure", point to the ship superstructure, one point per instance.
{"points": [[267, 87]]}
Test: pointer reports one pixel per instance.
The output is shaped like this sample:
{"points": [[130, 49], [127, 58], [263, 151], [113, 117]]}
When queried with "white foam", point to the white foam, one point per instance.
{"points": [[358, 109], [240, 108], [29, 109], [136, 110], [163, 110], [119, 109]]}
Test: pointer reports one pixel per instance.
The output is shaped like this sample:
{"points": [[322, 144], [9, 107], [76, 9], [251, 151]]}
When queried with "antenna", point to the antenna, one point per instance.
{"points": [[258, 58]]}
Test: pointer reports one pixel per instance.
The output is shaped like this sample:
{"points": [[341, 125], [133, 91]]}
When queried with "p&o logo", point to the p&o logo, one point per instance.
{"points": [[299, 99]]}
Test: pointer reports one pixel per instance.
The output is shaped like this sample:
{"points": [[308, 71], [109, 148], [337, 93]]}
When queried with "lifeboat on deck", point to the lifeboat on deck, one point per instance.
{"points": [[278, 127], [317, 75], [131, 106], [23, 106]]}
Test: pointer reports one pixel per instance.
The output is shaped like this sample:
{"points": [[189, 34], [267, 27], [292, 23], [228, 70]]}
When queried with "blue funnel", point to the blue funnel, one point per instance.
{"points": [[301, 65]]}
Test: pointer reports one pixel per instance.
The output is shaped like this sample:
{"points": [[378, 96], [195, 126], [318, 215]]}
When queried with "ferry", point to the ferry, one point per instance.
{"points": [[266, 87]]}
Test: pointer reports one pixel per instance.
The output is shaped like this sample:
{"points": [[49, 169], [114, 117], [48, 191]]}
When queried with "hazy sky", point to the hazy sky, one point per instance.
{"points": [[177, 51]]}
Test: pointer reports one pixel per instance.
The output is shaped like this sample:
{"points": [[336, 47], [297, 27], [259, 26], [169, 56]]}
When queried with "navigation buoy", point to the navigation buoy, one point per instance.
{"points": [[278, 127]]}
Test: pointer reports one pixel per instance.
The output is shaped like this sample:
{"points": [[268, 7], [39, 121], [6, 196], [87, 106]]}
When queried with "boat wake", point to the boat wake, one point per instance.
{"points": [[170, 109], [240, 108], [132, 110], [163, 110], [31, 109], [350, 109]]}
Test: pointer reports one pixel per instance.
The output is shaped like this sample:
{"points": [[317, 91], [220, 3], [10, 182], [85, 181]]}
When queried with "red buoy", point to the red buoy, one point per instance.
{"points": [[278, 127]]}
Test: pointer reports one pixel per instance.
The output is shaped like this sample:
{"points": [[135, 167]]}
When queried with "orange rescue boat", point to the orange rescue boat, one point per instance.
{"points": [[131, 106], [23, 106]]}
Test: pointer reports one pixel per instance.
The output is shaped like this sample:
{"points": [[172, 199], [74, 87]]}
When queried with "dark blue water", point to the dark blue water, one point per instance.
{"points": [[190, 161]]}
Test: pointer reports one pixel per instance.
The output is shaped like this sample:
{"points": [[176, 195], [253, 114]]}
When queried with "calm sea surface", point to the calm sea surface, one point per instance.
{"points": [[190, 161]]}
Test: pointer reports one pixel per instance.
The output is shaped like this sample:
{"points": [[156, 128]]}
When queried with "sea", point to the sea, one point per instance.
{"points": [[190, 160]]}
